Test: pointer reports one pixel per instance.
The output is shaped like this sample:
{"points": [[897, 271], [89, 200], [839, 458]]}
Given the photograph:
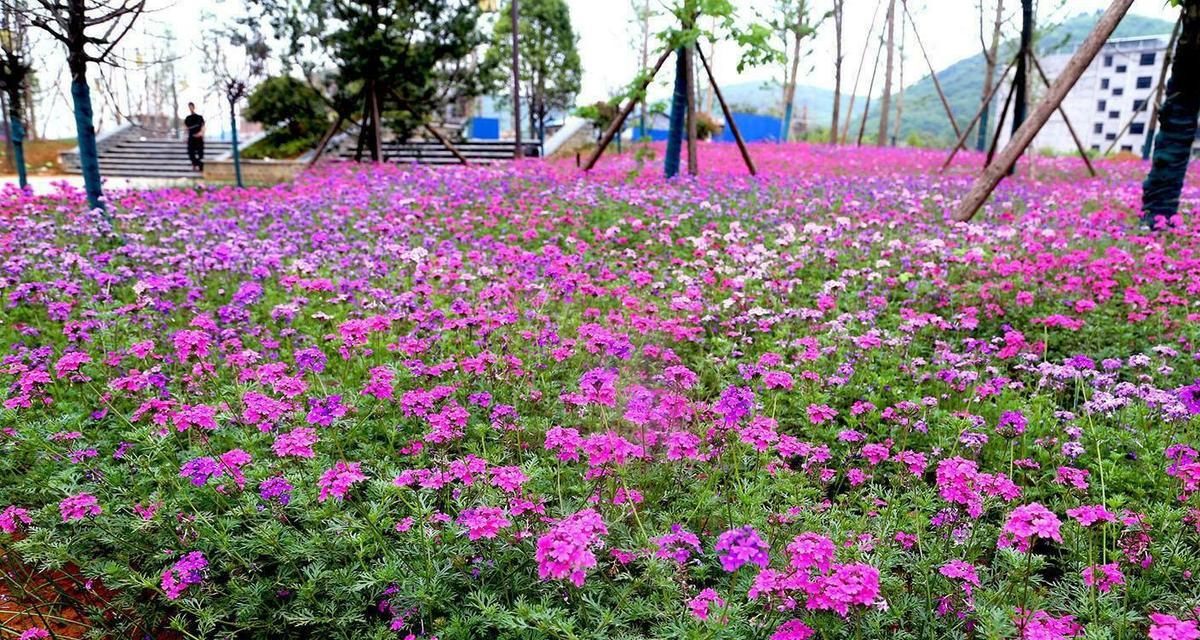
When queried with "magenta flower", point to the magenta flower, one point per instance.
{"points": [[483, 522], [848, 585], [699, 605], [1103, 576], [738, 547], [1167, 627], [1087, 515], [565, 552], [78, 507], [336, 481], [187, 571], [811, 550], [12, 518], [793, 629], [1028, 522], [296, 443]]}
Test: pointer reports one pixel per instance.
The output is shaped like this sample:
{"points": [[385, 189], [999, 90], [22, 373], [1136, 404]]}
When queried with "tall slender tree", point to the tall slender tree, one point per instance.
{"points": [[1177, 123], [15, 70], [990, 52], [794, 21], [838, 11], [89, 31], [550, 68], [885, 100]]}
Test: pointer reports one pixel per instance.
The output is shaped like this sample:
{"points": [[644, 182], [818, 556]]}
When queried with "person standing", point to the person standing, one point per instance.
{"points": [[195, 137]]}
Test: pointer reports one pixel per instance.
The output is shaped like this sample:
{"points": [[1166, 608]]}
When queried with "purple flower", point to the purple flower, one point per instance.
{"points": [[738, 547]]}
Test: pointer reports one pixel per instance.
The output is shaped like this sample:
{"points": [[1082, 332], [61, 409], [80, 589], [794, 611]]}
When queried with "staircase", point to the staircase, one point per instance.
{"points": [[140, 152], [433, 152]]}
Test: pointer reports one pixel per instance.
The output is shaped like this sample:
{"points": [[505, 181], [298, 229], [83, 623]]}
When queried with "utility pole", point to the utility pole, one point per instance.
{"points": [[516, 87]]}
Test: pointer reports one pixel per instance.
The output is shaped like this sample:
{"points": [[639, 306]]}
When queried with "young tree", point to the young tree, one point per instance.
{"points": [[14, 81], [233, 78], [400, 61], [885, 100], [89, 30], [990, 52], [549, 66], [793, 21], [1176, 123], [838, 12]]}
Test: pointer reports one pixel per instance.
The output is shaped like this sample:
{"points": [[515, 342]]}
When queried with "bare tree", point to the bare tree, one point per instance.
{"points": [[14, 81], [838, 10], [990, 52], [89, 30], [885, 101]]}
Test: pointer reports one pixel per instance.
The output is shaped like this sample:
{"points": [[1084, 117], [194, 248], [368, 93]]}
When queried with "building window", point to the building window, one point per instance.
{"points": [[1147, 59], [1143, 82], [1137, 128], [1095, 147], [1098, 127], [1113, 115], [1104, 83], [1108, 60], [1101, 105], [1127, 147], [1118, 91], [1139, 105], [1120, 68], [1110, 136]]}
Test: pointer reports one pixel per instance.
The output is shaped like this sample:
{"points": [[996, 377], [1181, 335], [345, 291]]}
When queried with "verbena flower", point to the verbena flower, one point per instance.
{"points": [[336, 481], [78, 507], [187, 571], [565, 552], [738, 547]]}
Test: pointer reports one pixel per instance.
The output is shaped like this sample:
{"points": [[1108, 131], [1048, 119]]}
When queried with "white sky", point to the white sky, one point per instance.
{"points": [[609, 44]]}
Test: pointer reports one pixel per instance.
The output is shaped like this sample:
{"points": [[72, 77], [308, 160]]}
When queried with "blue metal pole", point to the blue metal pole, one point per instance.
{"points": [[89, 156], [678, 114]]}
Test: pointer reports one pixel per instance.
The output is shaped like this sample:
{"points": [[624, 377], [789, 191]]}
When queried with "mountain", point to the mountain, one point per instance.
{"points": [[962, 82]]}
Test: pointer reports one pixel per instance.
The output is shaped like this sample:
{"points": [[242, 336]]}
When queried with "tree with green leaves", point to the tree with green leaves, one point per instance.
{"points": [[291, 111], [550, 68], [399, 62], [1177, 123], [795, 23]]}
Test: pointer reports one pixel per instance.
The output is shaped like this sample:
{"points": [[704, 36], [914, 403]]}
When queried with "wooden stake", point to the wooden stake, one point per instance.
{"points": [[1074, 136], [729, 122], [445, 143], [1083, 56], [329, 133], [987, 103], [1000, 126], [858, 74], [862, 126], [615, 125], [376, 128], [932, 73]]}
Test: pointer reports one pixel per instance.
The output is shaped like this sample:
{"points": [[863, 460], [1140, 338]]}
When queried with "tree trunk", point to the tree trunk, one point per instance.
{"points": [[885, 101], [789, 88], [237, 157], [1021, 104], [645, 63], [693, 161], [1156, 102], [518, 152], [899, 94], [837, 70], [678, 118], [16, 132], [1176, 124], [989, 76], [85, 130]]}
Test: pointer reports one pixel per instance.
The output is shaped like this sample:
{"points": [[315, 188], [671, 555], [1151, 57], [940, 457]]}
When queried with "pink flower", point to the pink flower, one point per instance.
{"points": [[483, 522], [1103, 576], [189, 570], [78, 507], [13, 517], [792, 630], [679, 545], [963, 572], [848, 585], [297, 442], [34, 633], [821, 413], [1166, 627], [1087, 515], [337, 481], [811, 550], [738, 547], [1040, 625], [565, 551], [1028, 522], [509, 479], [700, 604]]}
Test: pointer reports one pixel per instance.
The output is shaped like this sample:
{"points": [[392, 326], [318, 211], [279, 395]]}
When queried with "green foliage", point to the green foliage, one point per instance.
{"points": [[293, 113], [550, 69]]}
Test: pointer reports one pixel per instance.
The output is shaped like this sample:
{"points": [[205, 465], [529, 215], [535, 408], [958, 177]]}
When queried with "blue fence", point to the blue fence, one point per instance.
{"points": [[754, 128], [485, 128], [657, 135]]}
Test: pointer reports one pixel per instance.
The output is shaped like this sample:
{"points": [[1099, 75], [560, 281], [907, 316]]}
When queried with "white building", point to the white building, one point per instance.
{"points": [[1110, 103]]}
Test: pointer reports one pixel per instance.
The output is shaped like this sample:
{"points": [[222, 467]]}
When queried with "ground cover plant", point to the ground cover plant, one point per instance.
{"points": [[498, 402]]}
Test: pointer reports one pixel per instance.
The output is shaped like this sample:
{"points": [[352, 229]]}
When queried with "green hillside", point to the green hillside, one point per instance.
{"points": [[963, 80]]}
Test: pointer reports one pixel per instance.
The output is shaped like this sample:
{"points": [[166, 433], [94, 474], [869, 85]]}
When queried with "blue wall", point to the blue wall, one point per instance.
{"points": [[656, 135], [485, 128], [754, 128]]}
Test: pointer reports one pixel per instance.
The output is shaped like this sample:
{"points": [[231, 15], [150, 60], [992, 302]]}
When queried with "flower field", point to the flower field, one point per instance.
{"points": [[498, 402]]}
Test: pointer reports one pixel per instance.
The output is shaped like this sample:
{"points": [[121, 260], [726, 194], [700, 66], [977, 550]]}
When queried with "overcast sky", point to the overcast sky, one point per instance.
{"points": [[609, 44]]}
